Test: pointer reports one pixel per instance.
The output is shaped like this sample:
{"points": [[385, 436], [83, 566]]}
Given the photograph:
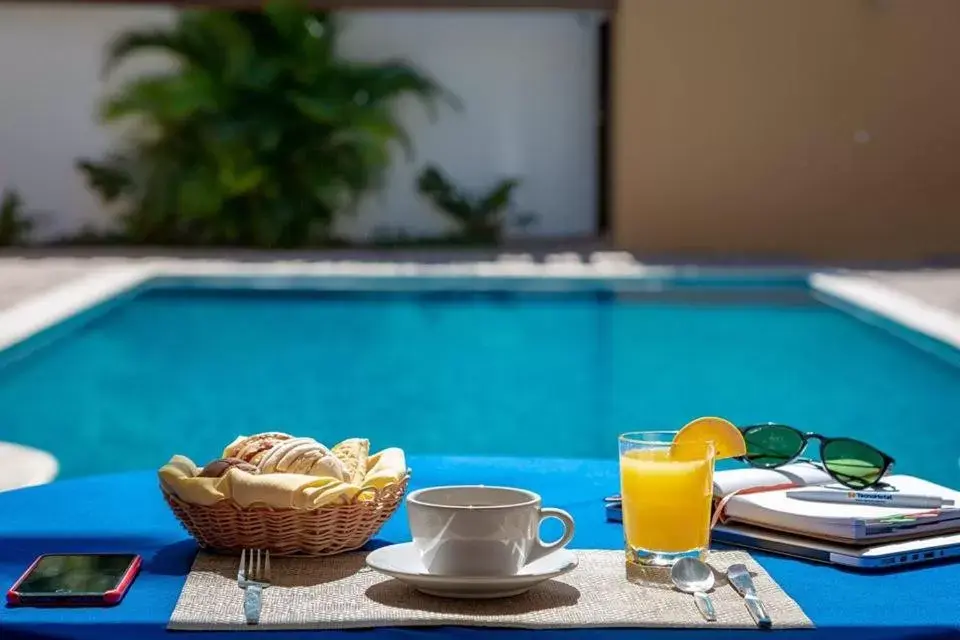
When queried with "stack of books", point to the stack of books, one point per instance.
{"points": [[799, 510]]}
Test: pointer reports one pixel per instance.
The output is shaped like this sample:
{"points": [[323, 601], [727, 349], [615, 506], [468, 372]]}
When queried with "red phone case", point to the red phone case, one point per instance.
{"points": [[108, 598]]}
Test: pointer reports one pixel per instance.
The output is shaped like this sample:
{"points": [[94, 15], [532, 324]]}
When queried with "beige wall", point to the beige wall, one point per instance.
{"points": [[826, 129]]}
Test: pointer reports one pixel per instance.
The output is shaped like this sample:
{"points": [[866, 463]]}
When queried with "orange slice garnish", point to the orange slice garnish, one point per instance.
{"points": [[726, 438]]}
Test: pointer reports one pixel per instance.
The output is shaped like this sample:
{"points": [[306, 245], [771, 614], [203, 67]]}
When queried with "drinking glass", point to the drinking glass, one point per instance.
{"points": [[666, 491]]}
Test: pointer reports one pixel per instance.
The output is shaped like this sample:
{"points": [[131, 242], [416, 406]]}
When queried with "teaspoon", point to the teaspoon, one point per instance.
{"points": [[693, 576]]}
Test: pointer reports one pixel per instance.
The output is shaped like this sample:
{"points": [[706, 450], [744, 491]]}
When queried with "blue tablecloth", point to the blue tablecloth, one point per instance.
{"points": [[126, 513]]}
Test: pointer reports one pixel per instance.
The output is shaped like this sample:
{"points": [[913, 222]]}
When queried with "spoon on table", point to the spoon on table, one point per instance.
{"points": [[693, 576], [740, 578]]}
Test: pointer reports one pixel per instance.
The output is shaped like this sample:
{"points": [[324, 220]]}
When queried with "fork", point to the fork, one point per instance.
{"points": [[253, 577]]}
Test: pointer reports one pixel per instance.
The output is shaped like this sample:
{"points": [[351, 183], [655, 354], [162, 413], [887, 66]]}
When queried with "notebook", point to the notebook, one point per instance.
{"points": [[878, 555], [845, 523]]}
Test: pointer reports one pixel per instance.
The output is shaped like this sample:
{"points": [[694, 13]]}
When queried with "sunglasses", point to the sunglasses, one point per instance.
{"points": [[852, 463]]}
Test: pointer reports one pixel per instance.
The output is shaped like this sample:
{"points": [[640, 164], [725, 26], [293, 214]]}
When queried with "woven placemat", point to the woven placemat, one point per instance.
{"points": [[340, 592]]}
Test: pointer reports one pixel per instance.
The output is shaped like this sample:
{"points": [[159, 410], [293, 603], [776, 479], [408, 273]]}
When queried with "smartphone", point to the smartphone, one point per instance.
{"points": [[614, 511], [76, 580]]}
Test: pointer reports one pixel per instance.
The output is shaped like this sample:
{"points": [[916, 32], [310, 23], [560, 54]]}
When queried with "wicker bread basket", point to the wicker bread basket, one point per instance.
{"points": [[225, 527]]}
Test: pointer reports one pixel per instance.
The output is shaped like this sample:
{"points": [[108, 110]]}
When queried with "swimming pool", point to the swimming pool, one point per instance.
{"points": [[184, 365]]}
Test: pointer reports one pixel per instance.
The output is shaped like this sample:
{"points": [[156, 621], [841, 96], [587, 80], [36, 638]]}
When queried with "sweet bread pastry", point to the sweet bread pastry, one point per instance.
{"points": [[304, 456], [303, 474], [252, 448], [220, 466], [353, 453]]}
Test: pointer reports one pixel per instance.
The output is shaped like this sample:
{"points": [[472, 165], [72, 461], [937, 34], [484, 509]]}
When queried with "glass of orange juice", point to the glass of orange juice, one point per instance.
{"points": [[666, 487]]}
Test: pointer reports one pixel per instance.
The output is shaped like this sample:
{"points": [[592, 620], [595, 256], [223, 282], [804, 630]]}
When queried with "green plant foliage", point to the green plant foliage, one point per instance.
{"points": [[15, 224], [259, 136], [481, 218]]}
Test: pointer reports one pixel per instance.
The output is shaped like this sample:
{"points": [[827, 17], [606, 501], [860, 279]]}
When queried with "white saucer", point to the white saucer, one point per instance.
{"points": [[402, 561]]}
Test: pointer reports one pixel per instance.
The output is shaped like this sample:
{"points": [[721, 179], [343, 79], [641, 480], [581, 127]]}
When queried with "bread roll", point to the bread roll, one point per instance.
{"points": [[302, 456], [252, 448], [353, 453], [220, 466]]}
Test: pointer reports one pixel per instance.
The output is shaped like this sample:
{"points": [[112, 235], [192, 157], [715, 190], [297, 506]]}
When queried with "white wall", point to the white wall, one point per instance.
{"points": [[50, 60], [527, 79]]}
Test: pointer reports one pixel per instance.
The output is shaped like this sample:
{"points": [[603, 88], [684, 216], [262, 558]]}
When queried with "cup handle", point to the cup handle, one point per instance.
{"points": [[540, 549]]}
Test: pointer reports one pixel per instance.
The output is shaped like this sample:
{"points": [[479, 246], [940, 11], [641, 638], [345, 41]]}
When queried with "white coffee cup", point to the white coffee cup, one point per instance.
{"points": [[474, 530]]}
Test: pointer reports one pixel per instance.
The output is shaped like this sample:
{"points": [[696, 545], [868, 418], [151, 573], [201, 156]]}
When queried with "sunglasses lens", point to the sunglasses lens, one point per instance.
{"points": [[853, 463], [770, 446]]}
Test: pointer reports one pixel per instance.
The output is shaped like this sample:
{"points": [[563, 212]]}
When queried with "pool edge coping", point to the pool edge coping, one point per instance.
{"points": [[37, 313], [45, 310], [881, 299]]}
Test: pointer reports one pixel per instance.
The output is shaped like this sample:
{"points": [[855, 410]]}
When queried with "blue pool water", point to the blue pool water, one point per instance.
{"points": [[184, 370]]}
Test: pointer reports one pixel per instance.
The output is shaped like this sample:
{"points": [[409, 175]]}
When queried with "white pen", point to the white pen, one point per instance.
{"points": [[875, 498]]}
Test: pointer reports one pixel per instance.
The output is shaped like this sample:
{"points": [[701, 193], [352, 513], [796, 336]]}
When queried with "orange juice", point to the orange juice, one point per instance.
{"points": [[666, 495]]}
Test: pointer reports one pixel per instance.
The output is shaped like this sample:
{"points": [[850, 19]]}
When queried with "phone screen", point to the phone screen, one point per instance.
{"points": [[67, 575]]}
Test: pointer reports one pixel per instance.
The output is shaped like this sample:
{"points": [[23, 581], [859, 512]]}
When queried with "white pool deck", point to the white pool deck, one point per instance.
{"points": [[36, 293]]}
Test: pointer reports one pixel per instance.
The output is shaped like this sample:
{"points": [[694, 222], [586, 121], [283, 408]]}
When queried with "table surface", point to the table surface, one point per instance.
{"points": [[126, 513]]}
